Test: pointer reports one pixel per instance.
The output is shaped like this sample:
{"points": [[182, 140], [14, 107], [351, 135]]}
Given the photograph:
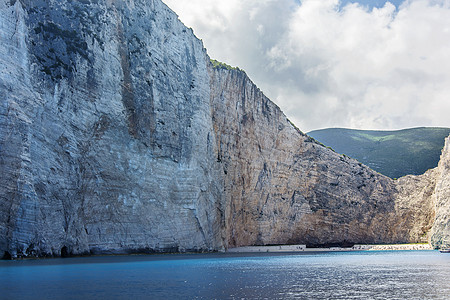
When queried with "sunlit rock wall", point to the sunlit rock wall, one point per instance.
{"points": [[283, 187], [106, 139], [441, 227]]}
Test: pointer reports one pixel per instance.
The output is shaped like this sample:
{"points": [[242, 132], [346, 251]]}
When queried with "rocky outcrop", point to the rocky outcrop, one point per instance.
{"points": [[281, 186], [414, 204], [118, 135], [440, 234]]}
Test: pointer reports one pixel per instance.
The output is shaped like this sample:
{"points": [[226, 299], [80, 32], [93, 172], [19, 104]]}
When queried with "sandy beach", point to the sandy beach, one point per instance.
{"points": [[303, 248]]}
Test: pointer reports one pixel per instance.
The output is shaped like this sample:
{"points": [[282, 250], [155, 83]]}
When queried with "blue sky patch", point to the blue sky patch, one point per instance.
{"points": [[373, 3]]}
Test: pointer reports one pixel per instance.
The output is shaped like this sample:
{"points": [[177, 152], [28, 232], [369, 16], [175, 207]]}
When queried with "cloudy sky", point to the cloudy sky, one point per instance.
{"points": [[367, 64]]}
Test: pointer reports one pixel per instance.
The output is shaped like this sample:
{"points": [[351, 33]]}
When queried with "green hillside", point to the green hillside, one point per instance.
{"points": [[392, 153]]}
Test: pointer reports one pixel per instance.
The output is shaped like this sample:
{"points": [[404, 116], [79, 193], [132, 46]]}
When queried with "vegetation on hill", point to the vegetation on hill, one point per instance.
{"points": [[220, 65], [392, 153]]}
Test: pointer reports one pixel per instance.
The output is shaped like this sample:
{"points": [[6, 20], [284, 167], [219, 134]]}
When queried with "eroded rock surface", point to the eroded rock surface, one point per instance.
{"points": [[283, 187], [106, 138], [441, 228]]}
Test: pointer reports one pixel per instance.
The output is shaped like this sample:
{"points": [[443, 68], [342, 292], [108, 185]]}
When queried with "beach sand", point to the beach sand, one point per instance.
{"points": [[303, 248]]}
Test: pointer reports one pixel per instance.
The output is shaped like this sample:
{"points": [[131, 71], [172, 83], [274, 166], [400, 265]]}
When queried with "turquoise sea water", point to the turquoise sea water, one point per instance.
{"points": [[331, 275]]}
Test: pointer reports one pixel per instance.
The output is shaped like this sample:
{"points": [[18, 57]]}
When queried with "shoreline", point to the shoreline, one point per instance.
{"points": [[303, 248], [247, 249]]}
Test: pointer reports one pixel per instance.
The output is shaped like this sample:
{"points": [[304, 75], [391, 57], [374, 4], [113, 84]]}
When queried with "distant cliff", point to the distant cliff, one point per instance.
{"points": [[118, 135]]}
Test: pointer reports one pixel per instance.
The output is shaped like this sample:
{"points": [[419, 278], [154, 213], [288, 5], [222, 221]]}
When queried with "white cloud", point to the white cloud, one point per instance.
{"points": [[328, 65]]}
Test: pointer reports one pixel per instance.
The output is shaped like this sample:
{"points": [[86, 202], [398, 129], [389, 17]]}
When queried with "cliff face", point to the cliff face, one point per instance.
{"points": [[283, 187], [106, 138], [440, 235], [117, 135]]}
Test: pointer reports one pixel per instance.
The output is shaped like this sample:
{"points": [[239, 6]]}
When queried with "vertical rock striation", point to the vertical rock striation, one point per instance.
{"points": [[106, 136]]}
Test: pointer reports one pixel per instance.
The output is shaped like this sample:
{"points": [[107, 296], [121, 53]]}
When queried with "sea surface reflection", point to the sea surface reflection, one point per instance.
{"points": [[329, 275]]}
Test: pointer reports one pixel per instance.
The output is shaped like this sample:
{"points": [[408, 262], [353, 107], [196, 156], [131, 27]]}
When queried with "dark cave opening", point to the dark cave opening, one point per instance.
{"points": [[65, 252]]}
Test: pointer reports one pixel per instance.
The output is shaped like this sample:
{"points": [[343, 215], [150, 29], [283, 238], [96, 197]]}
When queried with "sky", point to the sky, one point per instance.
{"points": [[328, 63]]}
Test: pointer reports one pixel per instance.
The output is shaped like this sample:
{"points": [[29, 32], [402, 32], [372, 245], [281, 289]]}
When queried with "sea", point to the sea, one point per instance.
{"points": [[305, 275]]}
